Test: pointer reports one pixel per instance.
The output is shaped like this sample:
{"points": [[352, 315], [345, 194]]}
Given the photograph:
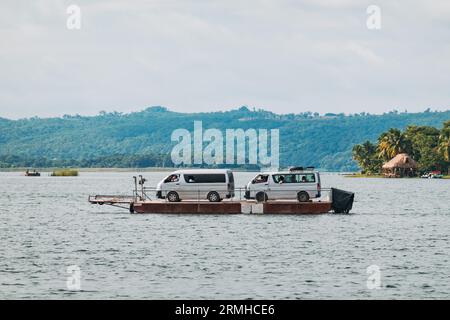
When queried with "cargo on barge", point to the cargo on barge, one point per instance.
{"points": [[142, 201]]}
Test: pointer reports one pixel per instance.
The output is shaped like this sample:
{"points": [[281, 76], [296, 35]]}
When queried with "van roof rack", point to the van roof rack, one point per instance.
{"points": [[301, 168]]}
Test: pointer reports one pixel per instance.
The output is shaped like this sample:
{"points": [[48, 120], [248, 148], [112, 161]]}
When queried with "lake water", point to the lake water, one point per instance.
{"points": [[401, 227]]}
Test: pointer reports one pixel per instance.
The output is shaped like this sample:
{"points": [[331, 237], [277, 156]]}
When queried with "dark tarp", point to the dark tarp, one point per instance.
{"points": [[342, 200]]}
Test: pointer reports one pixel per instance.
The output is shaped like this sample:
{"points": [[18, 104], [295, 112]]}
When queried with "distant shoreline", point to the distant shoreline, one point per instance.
{"points": [[359, 175], [151, 169], [87, 169], [165, 169]]}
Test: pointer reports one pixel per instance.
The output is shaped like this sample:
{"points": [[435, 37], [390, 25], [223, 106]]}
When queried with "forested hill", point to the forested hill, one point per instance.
{"points": [[142, 139]]}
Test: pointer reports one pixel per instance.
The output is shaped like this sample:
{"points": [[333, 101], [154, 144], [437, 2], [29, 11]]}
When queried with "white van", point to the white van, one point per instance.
{"points": [[301, 185], [197, 184]]}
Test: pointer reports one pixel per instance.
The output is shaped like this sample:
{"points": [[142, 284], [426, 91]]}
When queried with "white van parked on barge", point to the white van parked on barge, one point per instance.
{"points": [[197, 184], [296, 183]]}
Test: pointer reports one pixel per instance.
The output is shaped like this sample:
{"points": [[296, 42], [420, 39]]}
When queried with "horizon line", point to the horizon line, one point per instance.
{"points": [[250, 109]]}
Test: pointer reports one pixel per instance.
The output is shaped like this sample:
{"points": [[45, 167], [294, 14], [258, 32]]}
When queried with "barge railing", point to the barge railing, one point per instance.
{"points": [[239, 194]]}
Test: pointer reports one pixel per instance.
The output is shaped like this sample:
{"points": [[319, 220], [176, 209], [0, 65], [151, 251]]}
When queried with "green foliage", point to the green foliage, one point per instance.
{"points": [[444, 141], [142, 139], [427, 145], [391, 143], [367, 157], [65, 173]]}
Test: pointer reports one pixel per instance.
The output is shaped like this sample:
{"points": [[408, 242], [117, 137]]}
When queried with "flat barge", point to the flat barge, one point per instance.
{"points": [[138, 205], [337, 201]]}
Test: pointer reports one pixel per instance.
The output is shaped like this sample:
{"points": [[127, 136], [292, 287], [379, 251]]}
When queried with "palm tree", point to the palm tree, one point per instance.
{"points": [[444, 143], [392, 143], [364, 154], [358, 154]]}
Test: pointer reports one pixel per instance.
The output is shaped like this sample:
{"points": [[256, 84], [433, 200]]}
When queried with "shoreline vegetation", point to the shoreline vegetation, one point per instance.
{"points": [[81, 169], [361, 175], [65, 173], [50, 171], [380, 176], [428, 150], [112, 169], [143, 139]]}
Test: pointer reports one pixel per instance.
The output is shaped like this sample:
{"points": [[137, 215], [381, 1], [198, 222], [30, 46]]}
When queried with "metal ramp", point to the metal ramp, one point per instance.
{"points": [[120, 201]]}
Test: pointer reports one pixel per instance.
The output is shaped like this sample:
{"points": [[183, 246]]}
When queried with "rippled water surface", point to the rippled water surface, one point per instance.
{"points": [[401, 226]]}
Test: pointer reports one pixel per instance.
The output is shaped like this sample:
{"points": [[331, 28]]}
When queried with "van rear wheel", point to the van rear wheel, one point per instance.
{"points": [[261, 197], [213, 196], [172, 196], [303, 196]]}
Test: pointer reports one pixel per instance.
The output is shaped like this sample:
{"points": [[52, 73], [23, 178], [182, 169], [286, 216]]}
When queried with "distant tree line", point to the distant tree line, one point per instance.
{"points": [[429, 146], [143, 139], [113, 161]]}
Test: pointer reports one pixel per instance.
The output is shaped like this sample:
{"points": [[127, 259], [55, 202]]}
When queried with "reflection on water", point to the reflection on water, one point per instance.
{"points": [[47, 225]]}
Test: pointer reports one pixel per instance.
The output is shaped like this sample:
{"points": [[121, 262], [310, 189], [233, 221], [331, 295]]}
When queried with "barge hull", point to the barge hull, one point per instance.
{"points": [[189, 208], [275, 207], [296, 208]]}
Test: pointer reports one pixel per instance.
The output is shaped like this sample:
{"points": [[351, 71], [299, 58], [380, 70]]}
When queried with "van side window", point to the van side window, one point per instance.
{"points": [[294, 178], [279, 178], [289, 178], [305, 178], [205, 178]]}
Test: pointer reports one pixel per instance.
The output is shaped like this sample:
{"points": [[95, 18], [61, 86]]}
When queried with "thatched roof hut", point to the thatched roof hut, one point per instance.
{"points": [[402, 160], [401, 165]]}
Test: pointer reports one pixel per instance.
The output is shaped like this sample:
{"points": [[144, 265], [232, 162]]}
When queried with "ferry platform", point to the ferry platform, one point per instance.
{"points": [[144, 201]]}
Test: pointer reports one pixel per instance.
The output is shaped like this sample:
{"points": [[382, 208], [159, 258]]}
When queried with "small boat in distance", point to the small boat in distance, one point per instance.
{"points": [[33, 173], [433, 175]]}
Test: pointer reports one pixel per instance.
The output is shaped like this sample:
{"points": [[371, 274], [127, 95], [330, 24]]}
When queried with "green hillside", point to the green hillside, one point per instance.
{"points": [[142, 139]]}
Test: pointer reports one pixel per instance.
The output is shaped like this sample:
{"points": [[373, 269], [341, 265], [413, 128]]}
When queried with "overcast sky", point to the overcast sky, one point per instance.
{"points": [[284, 56]]}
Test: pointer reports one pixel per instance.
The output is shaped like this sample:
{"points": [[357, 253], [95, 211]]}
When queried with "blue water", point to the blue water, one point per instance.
{"points": [[399, 226]]}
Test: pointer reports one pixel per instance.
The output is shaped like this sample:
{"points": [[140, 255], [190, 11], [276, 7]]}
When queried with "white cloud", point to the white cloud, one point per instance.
{"points": [[287, 56]]}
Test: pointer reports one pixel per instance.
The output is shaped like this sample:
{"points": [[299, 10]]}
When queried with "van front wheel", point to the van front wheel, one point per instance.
{"points": [[261, 197], [172, 196], [303, 196], [213, 197]]}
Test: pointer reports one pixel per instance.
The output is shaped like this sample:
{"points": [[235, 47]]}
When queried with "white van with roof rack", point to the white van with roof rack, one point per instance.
{"points": [[197, 184], [296, 183]]}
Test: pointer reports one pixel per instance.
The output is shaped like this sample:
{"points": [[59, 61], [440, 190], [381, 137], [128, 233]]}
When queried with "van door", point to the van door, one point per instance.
{"points": [[190, 188], [291, 186], [284, 186], [307, 182], [171, 183], [197, 186]]}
